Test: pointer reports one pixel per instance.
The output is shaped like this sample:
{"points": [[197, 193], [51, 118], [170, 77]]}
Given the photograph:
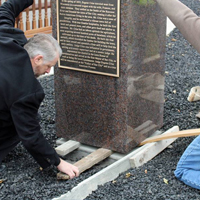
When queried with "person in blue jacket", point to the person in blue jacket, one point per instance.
{"points": [[188, 167]]}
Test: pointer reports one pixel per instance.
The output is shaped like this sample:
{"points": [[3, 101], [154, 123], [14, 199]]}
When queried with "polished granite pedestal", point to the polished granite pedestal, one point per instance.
{"points": [[117, 113]]}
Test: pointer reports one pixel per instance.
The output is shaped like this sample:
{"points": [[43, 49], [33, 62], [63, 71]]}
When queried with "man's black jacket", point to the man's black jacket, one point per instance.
{"points": [[20, 92]]}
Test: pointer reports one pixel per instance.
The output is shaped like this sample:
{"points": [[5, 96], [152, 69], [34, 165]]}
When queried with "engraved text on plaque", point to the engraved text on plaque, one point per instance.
{"points": [[88, 33]]}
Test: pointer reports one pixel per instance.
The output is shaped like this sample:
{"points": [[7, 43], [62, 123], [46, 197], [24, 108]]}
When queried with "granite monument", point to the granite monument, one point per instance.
{"points": [[109, 82]]}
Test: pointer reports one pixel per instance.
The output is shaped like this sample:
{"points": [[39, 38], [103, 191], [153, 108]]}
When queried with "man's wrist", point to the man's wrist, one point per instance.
{"points": [[57, 162]]}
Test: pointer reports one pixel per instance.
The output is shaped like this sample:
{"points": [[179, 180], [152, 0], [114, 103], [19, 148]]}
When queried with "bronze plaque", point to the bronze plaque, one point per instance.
{"points": [[88, 33]]}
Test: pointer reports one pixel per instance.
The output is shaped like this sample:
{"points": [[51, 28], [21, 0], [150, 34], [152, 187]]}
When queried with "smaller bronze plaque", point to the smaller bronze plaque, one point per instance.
{"points": [[88, 33]]}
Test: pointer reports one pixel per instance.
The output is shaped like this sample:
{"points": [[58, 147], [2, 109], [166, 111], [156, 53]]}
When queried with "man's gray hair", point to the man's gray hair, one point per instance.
{"points": [[43, 44]]}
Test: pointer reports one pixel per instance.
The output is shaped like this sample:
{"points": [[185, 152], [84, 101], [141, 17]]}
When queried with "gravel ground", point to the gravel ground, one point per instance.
{"points": [[24, 180]]}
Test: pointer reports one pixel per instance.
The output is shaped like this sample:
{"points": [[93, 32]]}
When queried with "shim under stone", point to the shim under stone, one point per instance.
{"points": [[109, 83]]}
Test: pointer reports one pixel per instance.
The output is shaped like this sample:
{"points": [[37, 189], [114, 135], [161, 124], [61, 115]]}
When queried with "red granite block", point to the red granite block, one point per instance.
{"points": [[117, 113]]}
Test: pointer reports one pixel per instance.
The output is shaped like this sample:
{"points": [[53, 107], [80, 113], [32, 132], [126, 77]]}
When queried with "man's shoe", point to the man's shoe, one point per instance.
{"points": [[2, 168]]}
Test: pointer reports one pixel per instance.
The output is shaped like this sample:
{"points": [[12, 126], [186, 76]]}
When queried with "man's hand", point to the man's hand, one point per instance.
{"points": [[67, 168]]}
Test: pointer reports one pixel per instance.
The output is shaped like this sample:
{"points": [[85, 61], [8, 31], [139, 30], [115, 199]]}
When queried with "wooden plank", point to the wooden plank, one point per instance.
{"points": [[151, 151], [92, 159], [67, 147], [88, 161], [184, 133], [83, 189]]}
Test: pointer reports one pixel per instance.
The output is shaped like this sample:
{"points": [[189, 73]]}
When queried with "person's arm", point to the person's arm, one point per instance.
{"points": [[184, 19], [10, 9], [24, 115]]}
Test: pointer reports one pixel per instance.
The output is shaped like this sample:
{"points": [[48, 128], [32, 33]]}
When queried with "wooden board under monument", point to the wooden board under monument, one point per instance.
{"points": [[105, 111], [88, 161]]}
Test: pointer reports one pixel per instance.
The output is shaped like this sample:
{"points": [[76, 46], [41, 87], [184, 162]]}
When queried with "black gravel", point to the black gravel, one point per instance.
{"points": [[23, 178]]}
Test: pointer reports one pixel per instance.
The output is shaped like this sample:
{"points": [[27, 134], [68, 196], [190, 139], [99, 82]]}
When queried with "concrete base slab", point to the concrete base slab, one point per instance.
{"points": [[85, 188]]}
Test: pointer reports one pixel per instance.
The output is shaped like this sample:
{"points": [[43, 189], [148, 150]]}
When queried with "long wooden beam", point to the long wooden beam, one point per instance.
{"points": [[184, 133]]}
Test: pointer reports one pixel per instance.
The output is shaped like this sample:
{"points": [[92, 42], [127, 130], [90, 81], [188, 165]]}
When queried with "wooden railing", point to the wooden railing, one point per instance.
{"points": [[35, 19]]}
